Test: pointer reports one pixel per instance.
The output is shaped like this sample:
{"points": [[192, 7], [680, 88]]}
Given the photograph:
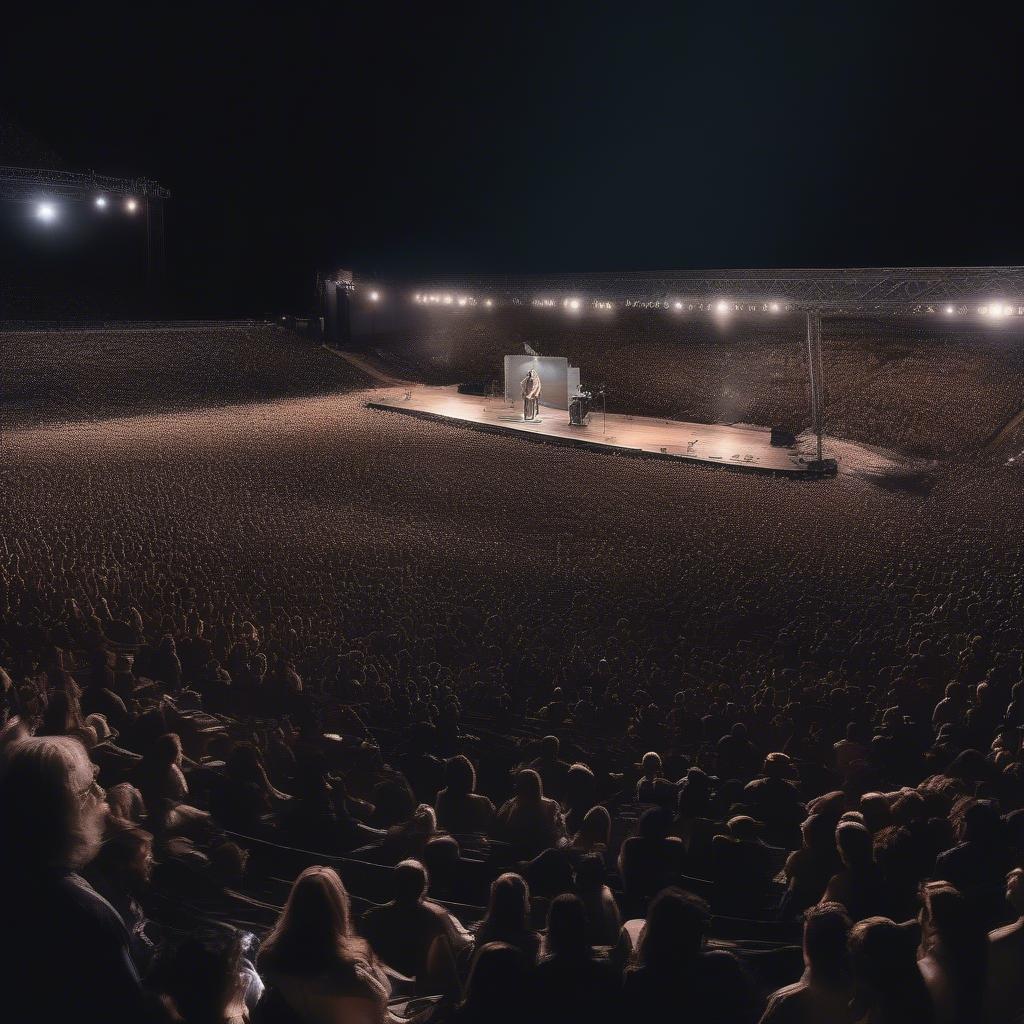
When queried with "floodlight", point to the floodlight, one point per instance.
{"points": [[46, 212], [774, 307], [374, 296], [722, 307], [131, 205], [101, 202]]}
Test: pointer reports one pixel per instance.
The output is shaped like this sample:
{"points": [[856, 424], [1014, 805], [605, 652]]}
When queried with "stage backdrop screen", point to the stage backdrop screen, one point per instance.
{"points": [[558, 380]]}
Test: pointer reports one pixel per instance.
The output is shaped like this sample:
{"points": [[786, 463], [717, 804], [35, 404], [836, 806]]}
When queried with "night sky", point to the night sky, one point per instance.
{"points": [[429, 138]]}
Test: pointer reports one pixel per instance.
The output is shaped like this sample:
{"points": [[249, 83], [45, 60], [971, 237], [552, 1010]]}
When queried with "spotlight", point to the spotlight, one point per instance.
{"points": [[677, 306], [374, 296], [131, 205], [462, 300], [574, 303], [774, 307], [101, 202], [46, 212], [447, 300], [487, 302], [949, 311], [722, 307]]}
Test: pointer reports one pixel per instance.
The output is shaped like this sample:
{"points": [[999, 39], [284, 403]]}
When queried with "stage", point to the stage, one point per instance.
{"points": [[745, 448]]}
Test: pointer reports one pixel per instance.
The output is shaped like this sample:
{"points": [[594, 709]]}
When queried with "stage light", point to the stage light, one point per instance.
{"points": [[374, 296], [678, 306], [487, 302], [774, 307], [101, 202], [462, 300], [46, 212], [949, 310], [447, 300], [573, 304], [722, 307], [131, 205]]}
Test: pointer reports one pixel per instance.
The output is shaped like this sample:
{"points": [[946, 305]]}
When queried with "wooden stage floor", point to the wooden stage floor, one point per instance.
{"points": [[746, 448]]}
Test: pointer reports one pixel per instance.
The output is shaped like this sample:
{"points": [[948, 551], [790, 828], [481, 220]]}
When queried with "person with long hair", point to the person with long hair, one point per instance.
{"points": [[604, 919], [317, 968], [530, 821], [676, 976], [507, 917], [69, 956], [887, 986], [953, 956]]}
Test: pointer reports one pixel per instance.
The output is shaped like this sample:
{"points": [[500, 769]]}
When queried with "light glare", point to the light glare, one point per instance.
{"points": [[46, 212]]}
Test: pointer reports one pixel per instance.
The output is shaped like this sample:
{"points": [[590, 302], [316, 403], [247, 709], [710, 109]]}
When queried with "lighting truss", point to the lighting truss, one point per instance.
{"points": [[28, 184]]}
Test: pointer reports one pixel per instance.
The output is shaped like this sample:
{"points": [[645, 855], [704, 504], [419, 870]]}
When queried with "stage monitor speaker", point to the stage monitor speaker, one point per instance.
{"points": [[782, 438]]}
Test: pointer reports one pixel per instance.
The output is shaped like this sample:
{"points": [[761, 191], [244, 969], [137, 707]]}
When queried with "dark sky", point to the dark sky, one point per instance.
{"points": [[427, 137]]}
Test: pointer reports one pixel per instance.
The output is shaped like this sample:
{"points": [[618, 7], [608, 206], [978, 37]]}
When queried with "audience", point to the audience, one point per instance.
{"points": [[196, 704]]}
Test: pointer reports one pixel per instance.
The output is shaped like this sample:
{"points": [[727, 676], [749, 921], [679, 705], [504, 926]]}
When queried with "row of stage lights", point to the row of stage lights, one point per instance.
{"points": [[438, 299], [995, 310], [48, 211], [575, 305]]}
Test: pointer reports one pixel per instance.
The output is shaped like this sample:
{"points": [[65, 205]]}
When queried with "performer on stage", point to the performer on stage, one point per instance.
{"points": [[531, 394]]}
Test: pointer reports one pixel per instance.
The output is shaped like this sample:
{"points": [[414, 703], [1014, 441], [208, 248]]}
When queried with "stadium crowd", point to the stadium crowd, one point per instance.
{"points": [[313, 717]]}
